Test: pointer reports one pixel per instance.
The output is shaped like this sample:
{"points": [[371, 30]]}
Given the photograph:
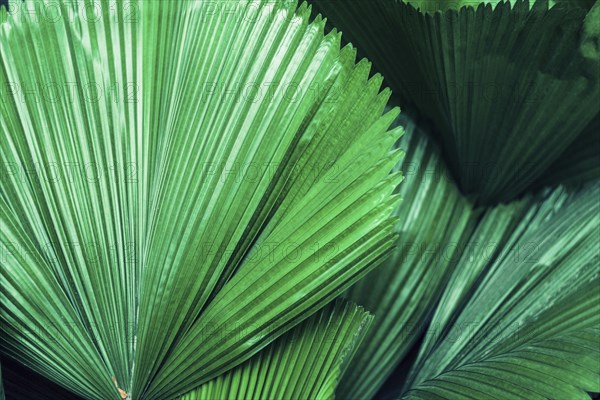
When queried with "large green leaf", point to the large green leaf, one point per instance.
{"points": [[497, 228], [501, 229], [530, 328], [508, 87], [435, 221], [305, 363], [183, 185]]}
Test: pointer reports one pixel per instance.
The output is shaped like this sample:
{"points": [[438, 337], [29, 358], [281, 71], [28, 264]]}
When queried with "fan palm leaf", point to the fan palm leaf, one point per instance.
{"points": [[530, 327], [509, 86], [305, 363], [163, 217]]}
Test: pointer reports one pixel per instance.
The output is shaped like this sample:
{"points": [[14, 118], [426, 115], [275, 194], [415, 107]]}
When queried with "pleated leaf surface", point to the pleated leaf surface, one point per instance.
{"points": [[509, 86], [530, 327], [181, 186], [305, 363], [435, 221]]}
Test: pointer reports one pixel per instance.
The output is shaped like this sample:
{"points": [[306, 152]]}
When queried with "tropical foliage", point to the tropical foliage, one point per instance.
{"points": [[509, 86], [203, 200]]}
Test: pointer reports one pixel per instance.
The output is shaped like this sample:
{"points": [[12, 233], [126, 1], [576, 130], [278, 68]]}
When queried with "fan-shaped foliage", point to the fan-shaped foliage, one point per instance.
{"points": [[174, 199], [509, 87], [305, 363], [530, 327]]}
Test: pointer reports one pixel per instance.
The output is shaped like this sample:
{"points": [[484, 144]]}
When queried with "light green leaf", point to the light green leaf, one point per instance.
{"points": [[530, 328], [305, 363], [500, 229], [184, 184]]}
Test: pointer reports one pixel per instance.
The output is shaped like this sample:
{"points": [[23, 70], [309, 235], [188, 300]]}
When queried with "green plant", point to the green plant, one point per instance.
{"points": [[188, 190], [152, 267], [508, 86]]}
